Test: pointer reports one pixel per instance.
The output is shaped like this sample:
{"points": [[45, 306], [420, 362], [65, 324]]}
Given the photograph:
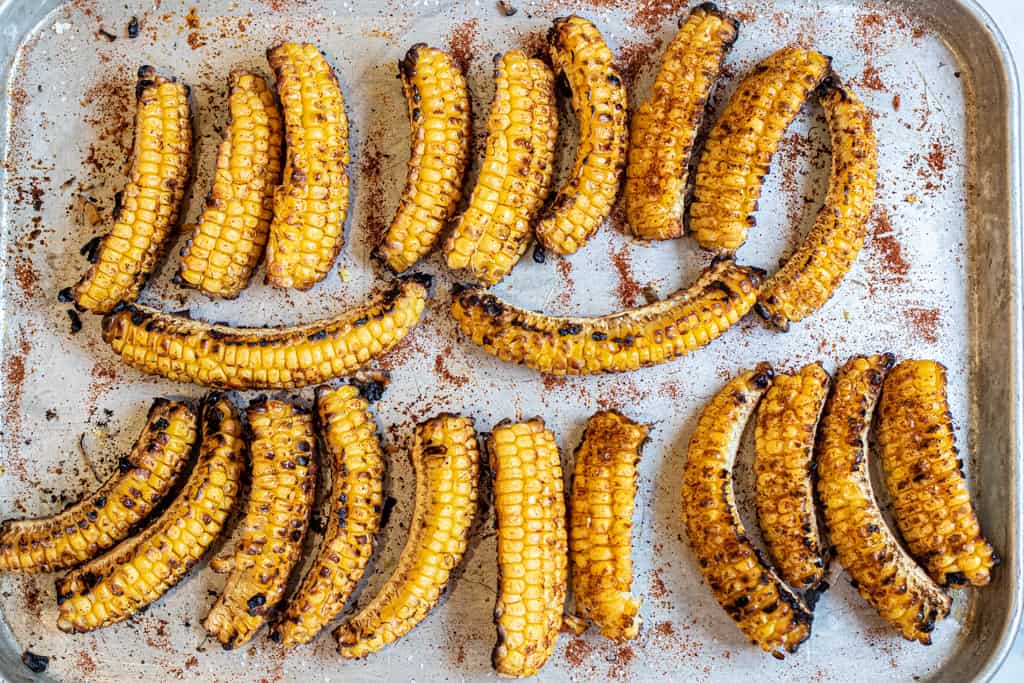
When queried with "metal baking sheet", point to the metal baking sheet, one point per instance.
{"points": [[939, 277]]}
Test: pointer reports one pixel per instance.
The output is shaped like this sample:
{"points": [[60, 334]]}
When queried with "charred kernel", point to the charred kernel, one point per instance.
{"points": [[65, 296], [133, 28]]}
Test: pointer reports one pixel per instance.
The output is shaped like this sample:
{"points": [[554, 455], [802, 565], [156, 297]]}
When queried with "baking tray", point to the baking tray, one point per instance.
{"points": [[939, 277]]}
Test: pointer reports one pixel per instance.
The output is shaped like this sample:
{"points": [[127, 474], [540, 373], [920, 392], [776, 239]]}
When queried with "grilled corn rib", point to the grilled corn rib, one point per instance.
{"points": [[227, 242], [446, 461], [187, 350], [745, 585], [529, 506], [648, 335], [738, 151], [310, 206], [147, 212], [882, 571], [348, 430], [811, 275], [283, 452], [579, 53], [488, 239], [439, 113], [601, 522], [138, 572], [664, 128], [787, 421], [931, 502], [99, 521]]}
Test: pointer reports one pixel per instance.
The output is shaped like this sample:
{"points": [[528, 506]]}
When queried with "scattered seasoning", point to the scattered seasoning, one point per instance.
{"points": [[628, 289], [577, 651], [507, 8], [461, 43], [76, 322], [36, 663], [104, 33], [133, 28], [896, 102], [925, 322]]}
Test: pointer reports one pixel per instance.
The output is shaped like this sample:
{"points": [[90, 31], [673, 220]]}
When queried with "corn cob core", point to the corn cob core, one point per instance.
{"points": [[439, 113], [931, 502], [147, 212], [529, 506], [488, 239], [664, 128], [601, 523], [99, 521], [446, 460], [139, 571], [227, 242], [884, 574]]}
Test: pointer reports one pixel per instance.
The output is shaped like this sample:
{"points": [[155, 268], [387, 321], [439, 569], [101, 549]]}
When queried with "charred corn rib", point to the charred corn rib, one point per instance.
{"points": [[922, 471], [353, 449], [884, 574], [749, 590], [147, 212], [652, 334], [664, 128], [283, 451], [99, 521], [812, 274], [738, 151], [446, 461], [310, 206], [529, 505], [489, 238], [227, 242], [138, 572], [439, 111], [787, 421], [601, 523], [187, 350]]}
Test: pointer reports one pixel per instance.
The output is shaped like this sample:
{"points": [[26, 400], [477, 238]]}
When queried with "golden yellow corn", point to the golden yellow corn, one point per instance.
{"points": [[931, 502], [529, 506], [664, 128], [787, 421], [738, 151], [446, 460], [147, 212], [227, 242], [439, 113], [745, 585], [639, 337], [489, 238], [310, 206], [283, 452], [884, 574], [139, 571], [601, 523], [348, 431], [186, 350], [102, 519], [578, 52]]}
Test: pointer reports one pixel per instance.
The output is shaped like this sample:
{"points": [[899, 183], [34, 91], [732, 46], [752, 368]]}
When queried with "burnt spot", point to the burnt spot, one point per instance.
{"points": [[65, 296], [570, 329], [359, 322], [424, 279], [436, 449], [598, 336], [492, 308], [812, 596], [385, 513], [317, 336], [956, 579], [35, 663], [124, 464], [255, 602], [91, 250], [371, 390], [539, 253], [133, 28], [76, 321]]}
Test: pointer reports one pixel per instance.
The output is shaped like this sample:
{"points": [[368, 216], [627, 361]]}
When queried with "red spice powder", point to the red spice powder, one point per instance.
{"points": [[442, 372], [871, 78], [665, 628], [925, 322], [891, 266], [577, 651], [633, 58], [461, 43], [628, 290]]}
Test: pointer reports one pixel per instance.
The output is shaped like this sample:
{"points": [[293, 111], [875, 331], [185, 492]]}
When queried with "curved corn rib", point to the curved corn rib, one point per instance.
{"points": [[310, 206], [639, 337], [738, 151], [578, 51], [814, 271], [787, 421], [884, 574], [138, 572], [187, 350], [529, 507], [439, 113], [931, 502], [601, 523], [99, 521], [147, 212], [745, 585], [349, 435], [447, 461], [664, 128], [515, 176], [283, 452], [227, 242]]}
